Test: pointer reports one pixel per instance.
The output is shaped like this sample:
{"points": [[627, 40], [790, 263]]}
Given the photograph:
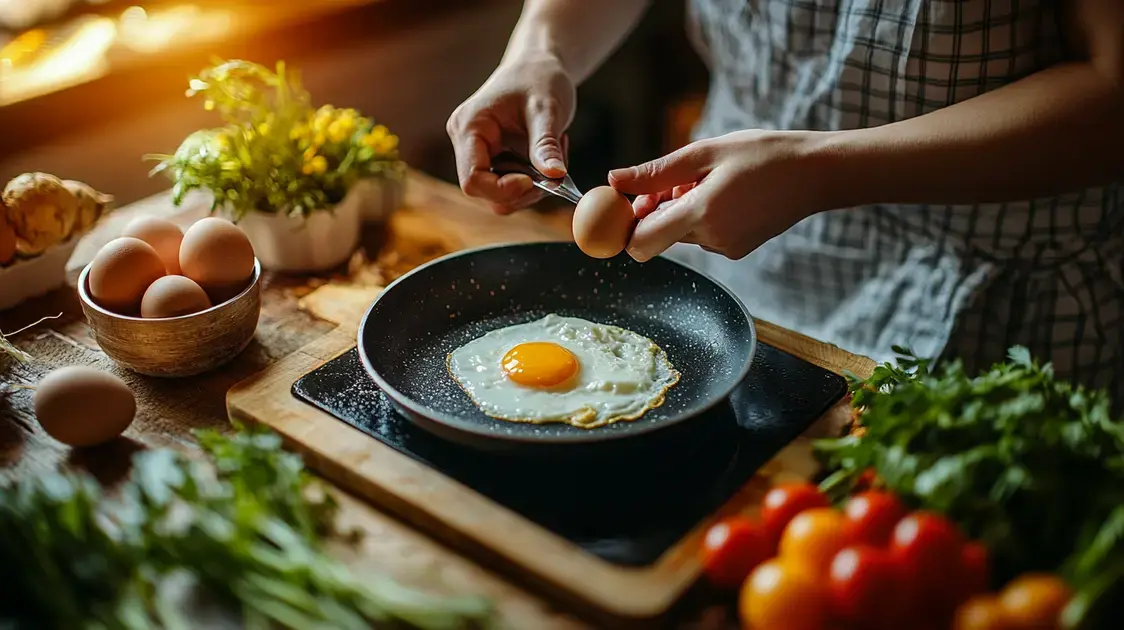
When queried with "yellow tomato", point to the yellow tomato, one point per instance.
{"points": [[812, 539], [780, 596], [981, 612], [1034, 601]]}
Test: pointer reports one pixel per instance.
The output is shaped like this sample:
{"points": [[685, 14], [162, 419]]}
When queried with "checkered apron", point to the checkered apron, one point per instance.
{"points": [[962, 281]]}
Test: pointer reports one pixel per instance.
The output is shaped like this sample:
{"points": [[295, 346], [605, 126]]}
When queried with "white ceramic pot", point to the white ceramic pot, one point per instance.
{"points": [[305, 244], [378, 198]]}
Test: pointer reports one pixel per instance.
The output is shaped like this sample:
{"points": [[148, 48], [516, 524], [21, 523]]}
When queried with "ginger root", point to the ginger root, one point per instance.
{"points": [[43, 210]]}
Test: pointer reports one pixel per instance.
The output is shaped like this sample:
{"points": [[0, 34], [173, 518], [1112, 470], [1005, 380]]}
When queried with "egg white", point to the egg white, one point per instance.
{"points": [[621, 376]]}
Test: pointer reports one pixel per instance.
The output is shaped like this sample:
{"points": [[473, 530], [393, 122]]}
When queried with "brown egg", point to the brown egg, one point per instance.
{"points": [[81, 406], [163, 235], [217, 254], [121, 272], [172, 296], [603, 222]]}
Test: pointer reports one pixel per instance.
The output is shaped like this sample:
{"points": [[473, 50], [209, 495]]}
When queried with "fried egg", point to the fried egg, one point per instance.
{"points": [[563, 369]]}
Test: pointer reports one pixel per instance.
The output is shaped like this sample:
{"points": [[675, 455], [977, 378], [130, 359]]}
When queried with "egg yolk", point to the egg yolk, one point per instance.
{"points": [[540, 364]]}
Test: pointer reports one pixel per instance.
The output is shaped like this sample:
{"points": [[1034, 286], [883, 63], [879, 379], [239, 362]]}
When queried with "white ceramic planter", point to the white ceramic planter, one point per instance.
{"points": [[324, 239], [379, 198], [318, 242], [32, 277]]}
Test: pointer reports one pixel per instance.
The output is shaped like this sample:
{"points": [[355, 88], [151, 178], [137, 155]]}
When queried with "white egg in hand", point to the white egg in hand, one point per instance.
{"points": [[563, 369]]}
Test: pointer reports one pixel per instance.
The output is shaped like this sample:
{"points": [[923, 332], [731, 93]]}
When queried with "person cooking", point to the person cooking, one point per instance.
{"points": [[939, 174]]}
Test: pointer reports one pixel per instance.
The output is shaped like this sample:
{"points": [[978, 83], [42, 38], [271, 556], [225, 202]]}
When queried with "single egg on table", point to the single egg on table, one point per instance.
{"points": [[173, 296], [603, 222], [217, 255], [563, 369], [82, 406], [121, 272], [163, 235]]}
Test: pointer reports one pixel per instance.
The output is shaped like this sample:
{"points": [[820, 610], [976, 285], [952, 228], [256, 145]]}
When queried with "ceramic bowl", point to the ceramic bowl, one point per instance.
{"points": [[176, 346]]}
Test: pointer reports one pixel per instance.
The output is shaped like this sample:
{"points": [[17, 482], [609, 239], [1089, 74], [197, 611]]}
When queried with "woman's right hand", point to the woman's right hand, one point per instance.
{"points": [[527, 102]]}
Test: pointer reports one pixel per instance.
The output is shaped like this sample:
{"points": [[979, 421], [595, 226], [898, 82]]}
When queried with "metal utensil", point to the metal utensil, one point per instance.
{"points": [[510, 162]]}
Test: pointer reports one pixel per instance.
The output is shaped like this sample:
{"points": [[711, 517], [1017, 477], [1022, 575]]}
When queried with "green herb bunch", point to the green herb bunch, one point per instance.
{"points": [[1031, 465], [276, 152], [241, 533]]}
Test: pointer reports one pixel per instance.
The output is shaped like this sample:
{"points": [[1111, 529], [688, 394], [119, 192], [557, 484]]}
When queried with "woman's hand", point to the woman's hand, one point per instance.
{"points": [[729, 194], [525, 103]]}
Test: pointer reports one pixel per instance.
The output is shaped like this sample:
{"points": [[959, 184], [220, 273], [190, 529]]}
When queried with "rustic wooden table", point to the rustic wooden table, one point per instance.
{"points": [[296, 311]]}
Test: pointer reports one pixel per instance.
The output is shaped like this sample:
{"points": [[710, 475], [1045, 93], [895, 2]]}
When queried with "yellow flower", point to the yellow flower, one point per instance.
{"points": [[263, 129], [299, 132], [323, 118], [310, 153], [208, 105], [316, 165], [380, 140], [341, 129], [221, 142]]}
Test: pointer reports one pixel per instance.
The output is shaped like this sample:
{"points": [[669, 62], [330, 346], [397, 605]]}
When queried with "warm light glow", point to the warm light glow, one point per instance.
{"points": [[24, 46], [30, 66], [150, 32], [78, 59]]}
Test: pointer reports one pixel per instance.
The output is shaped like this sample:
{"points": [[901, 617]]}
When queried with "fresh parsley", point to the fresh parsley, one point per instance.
{"points": [[1031, 465], [242, 533]]}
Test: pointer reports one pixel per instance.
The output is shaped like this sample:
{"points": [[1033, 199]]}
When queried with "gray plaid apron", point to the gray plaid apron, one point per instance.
{"points": [[966, 281]]}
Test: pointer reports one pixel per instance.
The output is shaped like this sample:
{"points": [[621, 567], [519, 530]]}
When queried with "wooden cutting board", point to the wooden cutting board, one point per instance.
{"points": [[486, 531], [439, 219]]}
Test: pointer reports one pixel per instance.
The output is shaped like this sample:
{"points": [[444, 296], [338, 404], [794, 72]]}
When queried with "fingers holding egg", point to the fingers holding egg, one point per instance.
{"points": [[603, 222]]}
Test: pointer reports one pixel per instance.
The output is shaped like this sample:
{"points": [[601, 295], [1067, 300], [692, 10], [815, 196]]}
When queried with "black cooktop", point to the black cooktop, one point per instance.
{"points": [[628, 501]]}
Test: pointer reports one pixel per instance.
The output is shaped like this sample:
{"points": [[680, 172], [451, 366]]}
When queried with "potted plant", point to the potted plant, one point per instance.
{"points": [[299, 180]]}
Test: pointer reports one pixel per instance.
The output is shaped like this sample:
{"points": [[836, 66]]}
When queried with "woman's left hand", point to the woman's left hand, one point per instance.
{"points": [[728, 194]]}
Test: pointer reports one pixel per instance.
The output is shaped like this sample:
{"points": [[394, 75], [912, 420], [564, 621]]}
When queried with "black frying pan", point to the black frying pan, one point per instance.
{"points": [[412, 326]]}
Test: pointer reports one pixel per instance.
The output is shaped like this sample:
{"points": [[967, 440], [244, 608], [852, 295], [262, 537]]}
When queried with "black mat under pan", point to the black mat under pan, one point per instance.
{"points": [[626, 503]]}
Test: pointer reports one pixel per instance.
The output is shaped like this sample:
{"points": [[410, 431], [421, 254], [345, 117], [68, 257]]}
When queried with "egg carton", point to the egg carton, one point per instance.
{"points": [[27, 278]]}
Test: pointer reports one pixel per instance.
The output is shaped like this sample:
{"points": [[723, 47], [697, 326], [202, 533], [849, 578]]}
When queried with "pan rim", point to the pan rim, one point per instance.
{"points": [[457, 423]]}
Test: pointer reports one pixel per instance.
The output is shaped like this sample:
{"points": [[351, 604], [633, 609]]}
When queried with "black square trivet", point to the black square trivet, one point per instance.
{"points": [[625, 504]]}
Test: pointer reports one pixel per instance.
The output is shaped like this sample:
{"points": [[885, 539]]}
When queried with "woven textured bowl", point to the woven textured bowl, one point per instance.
{"points": [[176, 346]]}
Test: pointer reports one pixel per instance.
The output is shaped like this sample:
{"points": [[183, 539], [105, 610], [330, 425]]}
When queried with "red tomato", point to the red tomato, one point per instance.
{"points": [[778, 595], [867, 480], [784, 502], [813, 538], [871, 517], [863, 585], [927, 549], [975, 570], [732, 549]]}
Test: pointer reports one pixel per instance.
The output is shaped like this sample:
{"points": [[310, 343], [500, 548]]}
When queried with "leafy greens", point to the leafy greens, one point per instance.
{"points": [[1029, 464], [243, 532]]}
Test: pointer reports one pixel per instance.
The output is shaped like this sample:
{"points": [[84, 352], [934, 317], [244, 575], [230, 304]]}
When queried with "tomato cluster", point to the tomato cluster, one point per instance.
{"points": [[873, 565]]}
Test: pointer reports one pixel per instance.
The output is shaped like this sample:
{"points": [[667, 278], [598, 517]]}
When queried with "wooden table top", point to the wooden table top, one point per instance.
{"points": [[436, 219]]}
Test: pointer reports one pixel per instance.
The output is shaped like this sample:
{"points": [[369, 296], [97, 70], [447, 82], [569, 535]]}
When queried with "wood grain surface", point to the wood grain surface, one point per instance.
{"points": [[297, 330], [457, 514]]}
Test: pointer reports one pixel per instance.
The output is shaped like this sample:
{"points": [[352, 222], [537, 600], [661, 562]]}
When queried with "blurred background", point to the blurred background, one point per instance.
{"points": [[87, 87]]}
